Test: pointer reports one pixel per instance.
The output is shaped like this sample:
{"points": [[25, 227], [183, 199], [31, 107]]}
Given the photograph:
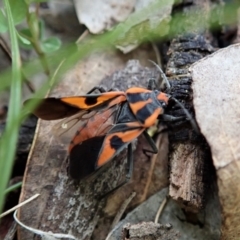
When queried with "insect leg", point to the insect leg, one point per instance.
{"points": [[101, 89], [165, 80], [129, 163], [151, 143], [169, 118]]}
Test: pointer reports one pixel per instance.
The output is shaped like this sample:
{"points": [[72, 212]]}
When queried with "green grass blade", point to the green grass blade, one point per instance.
{"points": [[8, 142], [13, 187]]}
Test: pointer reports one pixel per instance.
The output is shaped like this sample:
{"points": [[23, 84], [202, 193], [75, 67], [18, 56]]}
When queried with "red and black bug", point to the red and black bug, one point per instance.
{"points": [[99, 126]]}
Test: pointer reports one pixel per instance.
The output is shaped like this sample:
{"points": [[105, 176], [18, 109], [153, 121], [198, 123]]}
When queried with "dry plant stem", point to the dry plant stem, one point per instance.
{"points": [[160, 210], [84, 34], [150, 172], [158, 57], [19, 205], [120, 213], [46, 235], [122, 209]]}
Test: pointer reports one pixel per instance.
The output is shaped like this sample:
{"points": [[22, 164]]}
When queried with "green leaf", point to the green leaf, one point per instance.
{"points": [[13, 187], [19, 10], [24, 35], [51, 44], [3, 22]]}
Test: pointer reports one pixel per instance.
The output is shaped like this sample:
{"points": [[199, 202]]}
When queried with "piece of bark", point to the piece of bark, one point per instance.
{"points": [[149, 231], [189, 155], [216, 95], [64, 205], [206, 226]]}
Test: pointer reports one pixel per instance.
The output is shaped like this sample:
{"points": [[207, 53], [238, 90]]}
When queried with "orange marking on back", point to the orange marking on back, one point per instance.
{"points": [[117, 100], [80, 101], [138, 105], [137, 90], [150, 121], [108, 152]]}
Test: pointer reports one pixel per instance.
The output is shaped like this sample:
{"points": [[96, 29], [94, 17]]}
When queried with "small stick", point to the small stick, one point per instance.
{"points": [[161, 207], [19, 205]]}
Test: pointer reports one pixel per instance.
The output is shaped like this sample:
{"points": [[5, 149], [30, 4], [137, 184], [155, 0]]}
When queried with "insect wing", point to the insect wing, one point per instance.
{"points": [[85, 125], [93, 101], [87, 142], [66, 129], [82, 158], [53, 109], [58, 108], [118, 138], [98, 124]]}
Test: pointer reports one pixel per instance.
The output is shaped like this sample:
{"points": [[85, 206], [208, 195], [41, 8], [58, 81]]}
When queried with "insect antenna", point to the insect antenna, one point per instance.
{"points": [[190, 118], [163, 76]]}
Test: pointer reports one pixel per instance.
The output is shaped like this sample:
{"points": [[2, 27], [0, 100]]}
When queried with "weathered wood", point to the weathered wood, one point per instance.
{"points": [[149, 231], [189, 155]]}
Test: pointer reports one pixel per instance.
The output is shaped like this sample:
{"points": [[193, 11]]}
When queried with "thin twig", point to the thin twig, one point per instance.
{"points": [[163, 76], [19, 205], [156, 51], [150, 171], [122, 209], [161, 207], [119, 214], [44, 235], [83, 35]]}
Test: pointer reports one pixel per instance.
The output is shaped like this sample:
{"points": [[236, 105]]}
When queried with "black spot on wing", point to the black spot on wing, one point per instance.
{"points": [[91, 100], [83, 157], [116, 142]]}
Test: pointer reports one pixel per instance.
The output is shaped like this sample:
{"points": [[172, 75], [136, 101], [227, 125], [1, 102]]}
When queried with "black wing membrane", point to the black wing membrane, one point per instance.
{"points": [[83, 157], [54, 109]]}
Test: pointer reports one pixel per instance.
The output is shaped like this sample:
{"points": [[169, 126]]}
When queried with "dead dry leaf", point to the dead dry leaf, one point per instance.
{"points": [[216, 100], [100, 15], [64, 206], [150, 19]]}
